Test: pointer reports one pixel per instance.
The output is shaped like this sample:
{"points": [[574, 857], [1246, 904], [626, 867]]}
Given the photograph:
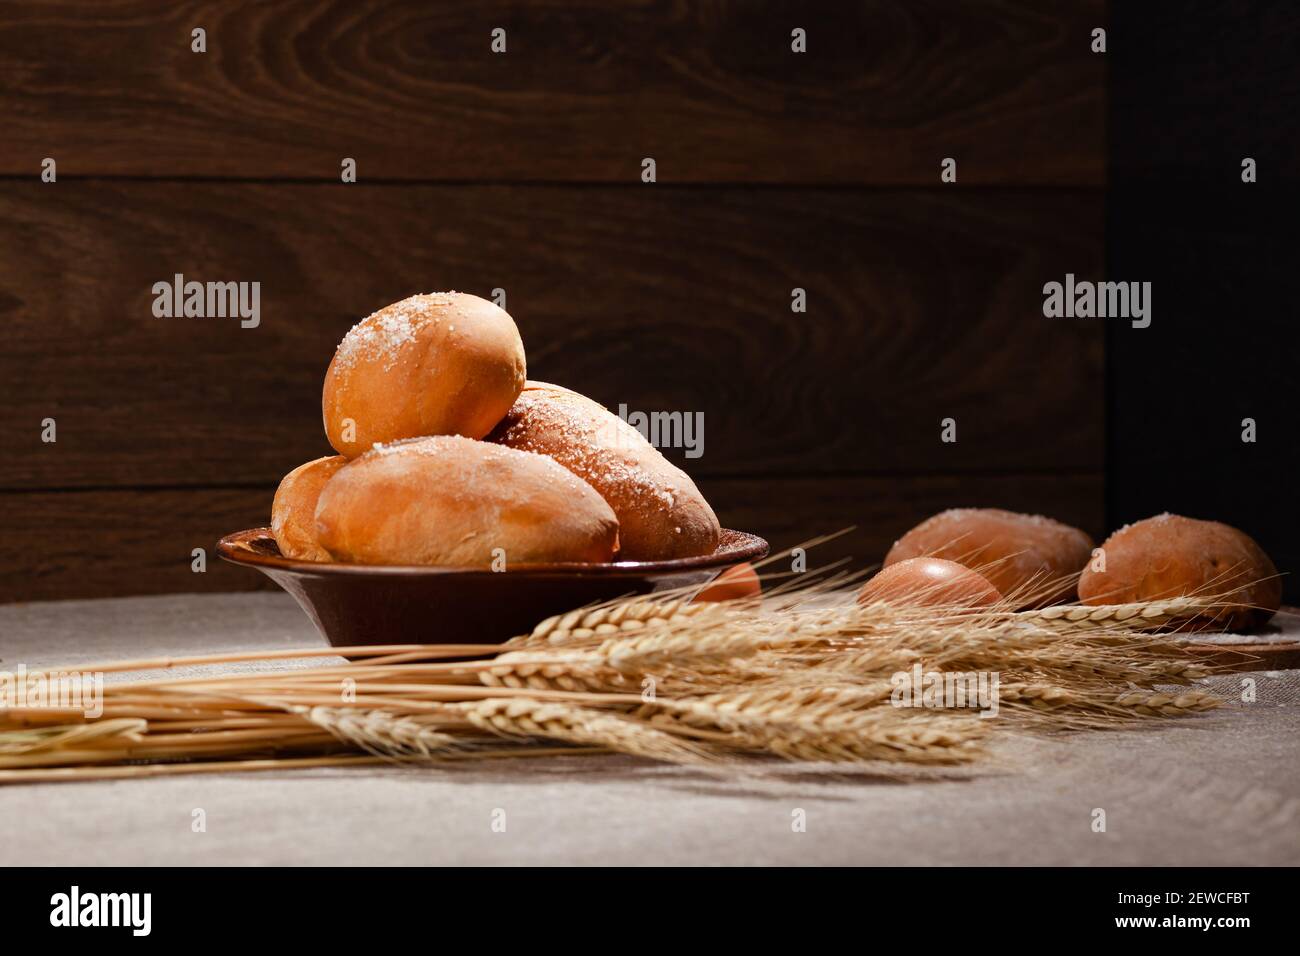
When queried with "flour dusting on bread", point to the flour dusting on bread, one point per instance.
{"points": [[661, 513]]}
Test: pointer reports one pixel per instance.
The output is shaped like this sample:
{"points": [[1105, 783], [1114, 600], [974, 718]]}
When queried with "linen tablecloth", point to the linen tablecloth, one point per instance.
{"points": [[1221, 789]]}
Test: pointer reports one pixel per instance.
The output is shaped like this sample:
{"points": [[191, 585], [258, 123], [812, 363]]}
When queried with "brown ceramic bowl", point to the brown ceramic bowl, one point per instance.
{"points": [[356, 604]]}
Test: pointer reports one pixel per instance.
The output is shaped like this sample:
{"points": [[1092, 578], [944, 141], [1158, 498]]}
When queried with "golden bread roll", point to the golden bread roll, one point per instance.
{"points": [[440, 364], [661, 514], [293, 512], [1033, 561], [453, 501], [1172, 556], [930, 582]]}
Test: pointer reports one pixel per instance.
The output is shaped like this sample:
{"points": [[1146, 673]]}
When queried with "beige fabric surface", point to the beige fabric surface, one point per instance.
{"points": [[1224, 789]]}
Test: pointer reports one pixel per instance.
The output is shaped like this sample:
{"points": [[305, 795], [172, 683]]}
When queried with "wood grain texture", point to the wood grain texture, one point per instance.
{"points": [[111, 543], [586, 89], [922, 305]]}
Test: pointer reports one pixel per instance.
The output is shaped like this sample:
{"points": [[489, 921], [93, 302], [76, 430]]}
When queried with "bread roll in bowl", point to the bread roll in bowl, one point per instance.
{"points": [[661, 514], [446, 363], [1033, 561], [293, 512], [454, 501], [1172, 556]]}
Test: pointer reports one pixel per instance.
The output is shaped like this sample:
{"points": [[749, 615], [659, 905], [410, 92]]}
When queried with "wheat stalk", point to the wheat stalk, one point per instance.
{"points": [[1159, 704], [53, 738], [600, 622], [825, 724], [378, 732], [1044, 697], [551, 670], [526, 718], [675, 607], [765, 705], [639, 653], [804, 674], [928, 742], [1146, 615], [1132, 702]]}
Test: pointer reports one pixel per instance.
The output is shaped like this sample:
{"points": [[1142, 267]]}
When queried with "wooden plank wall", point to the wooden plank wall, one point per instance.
{"points": [[521, 171]]}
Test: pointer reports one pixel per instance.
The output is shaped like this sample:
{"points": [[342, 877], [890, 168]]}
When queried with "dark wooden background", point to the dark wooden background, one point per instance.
{"points": [[1192, 90], [522, 171]]}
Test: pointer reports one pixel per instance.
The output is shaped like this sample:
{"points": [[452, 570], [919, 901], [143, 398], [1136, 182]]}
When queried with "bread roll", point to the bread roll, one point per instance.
{"points": [[439, 364], [661, 514], [1033, 561], [1172, 556], [453, 501], [930, 582], [736, 583], [293, 512]]}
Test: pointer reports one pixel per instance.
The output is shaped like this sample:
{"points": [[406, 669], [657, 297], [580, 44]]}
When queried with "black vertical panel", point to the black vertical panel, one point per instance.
{"points": [[1195, 89]]}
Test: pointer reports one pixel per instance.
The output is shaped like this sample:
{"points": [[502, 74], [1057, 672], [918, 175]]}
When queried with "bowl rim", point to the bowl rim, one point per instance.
{"points": [[234, 548]]}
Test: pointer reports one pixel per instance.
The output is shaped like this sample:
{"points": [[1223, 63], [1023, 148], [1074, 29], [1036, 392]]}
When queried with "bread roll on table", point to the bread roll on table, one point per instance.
{"points": [[930, 582], [1031, 560], [661, 514], [293, 512], [1172, 556], [446, 363], [738, 582], [453, 501]]}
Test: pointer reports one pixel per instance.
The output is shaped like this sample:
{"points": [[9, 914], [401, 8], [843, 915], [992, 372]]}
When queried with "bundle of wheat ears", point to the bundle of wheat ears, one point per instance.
{"points": [[803, 673]]}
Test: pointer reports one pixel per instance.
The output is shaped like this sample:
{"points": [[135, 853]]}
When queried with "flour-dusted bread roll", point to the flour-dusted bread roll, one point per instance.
{"points": [[1172, 556], [661, 514], [1033, 561], [293, 512], [453, 501], [440, 364]]}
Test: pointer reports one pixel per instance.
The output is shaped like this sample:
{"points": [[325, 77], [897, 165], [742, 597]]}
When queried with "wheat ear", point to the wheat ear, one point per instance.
{"points": [[1160, 704], [1140, 616], [648, 650], [609, 666], [1135, 702], [598, 623], [378, 732], [922, 741], [773, 703], [575, 671], [42, 739], [524, 717], [825, 724]]}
